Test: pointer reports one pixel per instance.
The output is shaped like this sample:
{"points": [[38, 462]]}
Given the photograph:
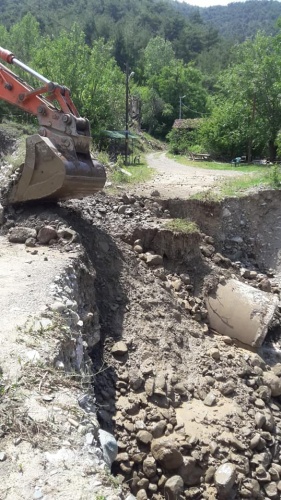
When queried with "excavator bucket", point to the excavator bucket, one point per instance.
{"points": [[58, 164], [54, 174]]}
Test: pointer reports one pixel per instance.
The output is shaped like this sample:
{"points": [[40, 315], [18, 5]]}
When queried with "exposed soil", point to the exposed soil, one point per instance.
{"points": [[181, 400]]}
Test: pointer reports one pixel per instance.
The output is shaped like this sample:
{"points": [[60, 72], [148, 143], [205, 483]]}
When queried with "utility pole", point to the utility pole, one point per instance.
{"points": [[128, 76], [181, 97], [250, 141], [127, 115]]}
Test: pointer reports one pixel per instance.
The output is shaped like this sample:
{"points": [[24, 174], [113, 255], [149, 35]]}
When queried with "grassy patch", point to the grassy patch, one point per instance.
{"points": [[16, 133], [265, 177], [269, 177], [209, 195], [13, 138], [16, 130], [149, 143], [131, 174], [182, 226], [213, 165]]}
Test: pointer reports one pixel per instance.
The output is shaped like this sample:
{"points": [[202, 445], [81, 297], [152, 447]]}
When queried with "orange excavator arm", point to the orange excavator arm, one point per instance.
{"points": [[58, 164], [15, 91]]}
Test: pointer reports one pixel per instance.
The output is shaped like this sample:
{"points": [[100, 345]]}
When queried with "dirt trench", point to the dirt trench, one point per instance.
{"points": [[180, 399], [173, 381]]}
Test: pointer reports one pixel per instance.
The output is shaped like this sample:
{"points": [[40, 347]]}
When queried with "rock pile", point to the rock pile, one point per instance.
{"points": [[229, 451], [45, 234]]}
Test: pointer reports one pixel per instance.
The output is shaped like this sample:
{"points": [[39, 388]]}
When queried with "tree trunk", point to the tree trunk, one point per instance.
{"points": [[250, 142], [272, 150]]}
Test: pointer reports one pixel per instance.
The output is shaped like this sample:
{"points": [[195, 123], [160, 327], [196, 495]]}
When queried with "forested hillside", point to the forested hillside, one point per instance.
{"points": [[238, 20], [180, 65], [130, 24], [242, 20]]}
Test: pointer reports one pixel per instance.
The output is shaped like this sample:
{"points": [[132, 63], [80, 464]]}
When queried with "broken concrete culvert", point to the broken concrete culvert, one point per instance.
{"points": [[241, 312], [123, 343]]}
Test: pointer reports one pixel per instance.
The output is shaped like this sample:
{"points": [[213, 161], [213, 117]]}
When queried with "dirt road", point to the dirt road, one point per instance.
{"points": [[174, 180], [24, 287]]}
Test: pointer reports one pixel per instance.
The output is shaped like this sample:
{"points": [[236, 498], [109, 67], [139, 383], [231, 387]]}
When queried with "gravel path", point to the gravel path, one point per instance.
{"points": [[174, 180], [25, 281]]}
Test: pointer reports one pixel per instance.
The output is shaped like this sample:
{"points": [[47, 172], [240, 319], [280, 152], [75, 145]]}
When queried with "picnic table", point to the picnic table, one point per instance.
{"points": [[239, 159], [200, 156]]}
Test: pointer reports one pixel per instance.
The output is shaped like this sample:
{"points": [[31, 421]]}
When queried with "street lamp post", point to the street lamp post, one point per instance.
{"points": [[128, 76], [181, 97]]}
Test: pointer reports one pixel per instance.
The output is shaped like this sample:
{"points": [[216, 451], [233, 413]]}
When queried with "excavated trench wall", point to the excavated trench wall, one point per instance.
{"points": [[173, 246], [245, 229]]}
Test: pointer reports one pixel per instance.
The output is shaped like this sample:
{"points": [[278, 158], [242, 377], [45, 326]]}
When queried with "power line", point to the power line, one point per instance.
{"points": [[193, 110]]}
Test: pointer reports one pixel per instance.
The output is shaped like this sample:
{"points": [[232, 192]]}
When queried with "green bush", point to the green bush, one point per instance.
{"points": [[103, 158], [181, 140], [275, 175]]}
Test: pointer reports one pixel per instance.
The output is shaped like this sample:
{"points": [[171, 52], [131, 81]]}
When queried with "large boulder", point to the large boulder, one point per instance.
{"points": [[274, 382], [46, 234], [190, 471], [20, 234], [149, 467], [109, 447], [173, 487], [225, 477], [166, 452]]}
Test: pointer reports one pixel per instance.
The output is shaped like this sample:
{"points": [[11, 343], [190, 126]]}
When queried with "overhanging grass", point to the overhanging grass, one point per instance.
{"points": [[16, 130], [182, 226]]}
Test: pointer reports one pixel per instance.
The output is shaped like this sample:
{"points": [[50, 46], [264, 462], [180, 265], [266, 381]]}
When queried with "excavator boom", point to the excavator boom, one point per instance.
{"points": [[58, 164]]}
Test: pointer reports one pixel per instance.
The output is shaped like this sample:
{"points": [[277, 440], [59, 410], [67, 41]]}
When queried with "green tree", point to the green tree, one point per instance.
{"points": [[24, 38], [4, 36], [224, 134], [212, 61], [158, 54], [180, 80], [103, 95], [247, 111], [194, 38], [64, 60], [152, 110], [97, 84]]}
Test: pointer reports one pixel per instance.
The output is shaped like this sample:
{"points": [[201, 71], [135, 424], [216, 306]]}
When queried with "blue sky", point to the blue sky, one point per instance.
{"points": [[209, 3]]}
